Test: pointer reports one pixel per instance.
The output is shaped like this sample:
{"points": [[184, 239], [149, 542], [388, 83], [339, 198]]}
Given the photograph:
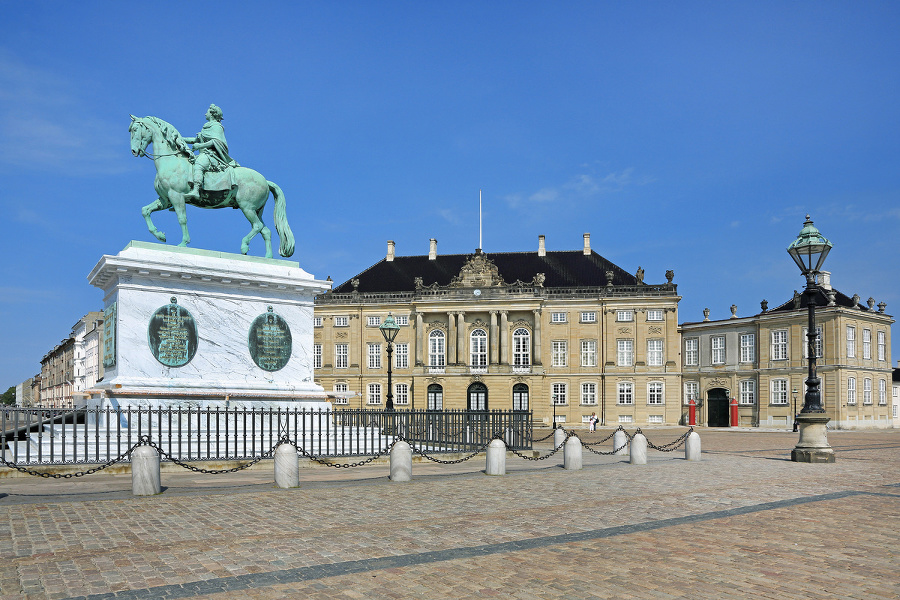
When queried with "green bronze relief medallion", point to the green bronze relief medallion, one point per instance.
{"points": [[270, 341], [172, 335]]}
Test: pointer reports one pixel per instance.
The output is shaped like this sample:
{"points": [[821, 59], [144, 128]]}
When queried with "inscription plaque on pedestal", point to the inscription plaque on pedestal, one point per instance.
{"points": [[270, 341], [109, 336], [172, 335]]}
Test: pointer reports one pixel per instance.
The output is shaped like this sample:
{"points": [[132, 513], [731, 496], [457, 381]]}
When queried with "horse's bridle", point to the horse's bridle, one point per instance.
{"points": [[148, 154]]}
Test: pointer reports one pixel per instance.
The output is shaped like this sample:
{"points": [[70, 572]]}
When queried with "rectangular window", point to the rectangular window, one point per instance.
{"points": [[779, 391], [340, 356], [588, 353], [748, 392], [867, 344], [819, 340], [402, 320], [588, 317], [624, 353], [436, 353], [624, 419], [851, 390], [851, 341], [374, 356], [655, 315], [867, 391], [691, 354], [374, 396], [589, 393], [559, 394], [625, 393], [340, 387], [882, 392], [779, 345], [717, 346], [373, 321], [560, 349], [748, 347], [558, 317], [317, 321], [401, 393], [691, 389], [521, 348], [881, 345], [625, 315], [655, 393], [341, 321], [654, 353], [401, 356], [655, 419], [317, 356]]}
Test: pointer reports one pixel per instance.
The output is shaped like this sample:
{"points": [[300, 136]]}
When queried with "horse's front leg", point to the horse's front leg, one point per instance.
{"points": [[181, 213], [149, 210]]}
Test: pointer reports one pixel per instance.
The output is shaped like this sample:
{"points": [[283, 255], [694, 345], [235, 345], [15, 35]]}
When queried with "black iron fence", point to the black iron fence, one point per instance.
{"points": [[57, 436]]}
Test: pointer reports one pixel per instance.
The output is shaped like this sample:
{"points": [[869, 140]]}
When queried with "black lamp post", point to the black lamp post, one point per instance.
{"points": [[554, 412], [796, 425], [389, 329], [809, 251]]}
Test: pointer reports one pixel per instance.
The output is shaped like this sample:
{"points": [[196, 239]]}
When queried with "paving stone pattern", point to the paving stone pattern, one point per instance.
{"points": [[744, 522]]}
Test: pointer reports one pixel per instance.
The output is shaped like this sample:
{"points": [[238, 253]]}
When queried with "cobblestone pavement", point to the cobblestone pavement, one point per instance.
{"points": [[744, 522]]}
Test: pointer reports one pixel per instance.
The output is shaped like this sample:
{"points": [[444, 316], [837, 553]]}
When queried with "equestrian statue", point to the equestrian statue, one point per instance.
{"points": [[210, 180]]}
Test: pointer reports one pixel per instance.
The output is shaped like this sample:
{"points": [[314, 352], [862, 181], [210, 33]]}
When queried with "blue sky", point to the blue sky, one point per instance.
{"points": [[691, 136]]}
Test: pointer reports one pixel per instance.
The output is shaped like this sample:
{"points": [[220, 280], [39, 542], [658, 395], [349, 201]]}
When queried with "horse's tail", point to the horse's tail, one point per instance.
{"points": [[285, 235]]}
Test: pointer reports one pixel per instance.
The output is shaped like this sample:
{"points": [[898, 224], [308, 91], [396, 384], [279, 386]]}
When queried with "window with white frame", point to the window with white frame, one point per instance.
{"points": [[691, 389], [654, 353], [867, 344], [748, 347], [374, 356], [317, 321], [373, 321], [867, 390], [779, 391], [588, 353], [851, 390], [341, 321], [882, 392], [402, 320], [625, 392], [851, 341], [317, 356], [401, 356], [881, 345], [401, 393], [589, 393], [655, 419], [779, 345], [340, 356], [624, 353], [436, 349], [521, 347], [558, 317], [559, 394], [341, 387], [374, 396], [478, 348], [654, 314], [559, 350], [589, 317], [717, 349], [691, 352], [655, 394], [819, 342], [625, 315], [748, 392], [623, 419]]}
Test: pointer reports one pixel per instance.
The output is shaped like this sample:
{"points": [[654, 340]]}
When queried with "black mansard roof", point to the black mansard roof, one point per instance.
{"points": [[561, 269], [822, 300]]}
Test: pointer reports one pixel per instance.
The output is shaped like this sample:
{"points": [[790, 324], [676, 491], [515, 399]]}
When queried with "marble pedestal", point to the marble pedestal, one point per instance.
{"points": [[813, 445]]}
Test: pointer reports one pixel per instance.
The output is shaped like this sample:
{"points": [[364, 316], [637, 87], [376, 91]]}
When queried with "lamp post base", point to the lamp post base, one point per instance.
{"points": [[813, 445]]}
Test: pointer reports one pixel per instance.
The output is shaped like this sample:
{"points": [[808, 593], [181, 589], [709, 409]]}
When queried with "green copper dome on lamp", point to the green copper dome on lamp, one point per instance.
{"points": [[810, 248]]}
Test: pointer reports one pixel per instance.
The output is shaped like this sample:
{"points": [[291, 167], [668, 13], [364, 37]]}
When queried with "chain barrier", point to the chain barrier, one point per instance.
{"points": [[146, 441], [422, 453], [546, 437], [609, 437], [671, 446], [546, 456], [109, 463], [321, 461]]}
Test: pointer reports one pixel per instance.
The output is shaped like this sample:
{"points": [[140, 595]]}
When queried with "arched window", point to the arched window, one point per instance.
{"points": [[478, 348], [520, 396], [521, 348], [478, 397], [436, 349], [435, 397]]}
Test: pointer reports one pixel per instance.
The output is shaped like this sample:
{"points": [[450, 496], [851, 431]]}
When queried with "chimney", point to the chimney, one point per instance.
{"points": [[587, 244], [542, 251], [432, 249], [825, 280], [390, 254]]}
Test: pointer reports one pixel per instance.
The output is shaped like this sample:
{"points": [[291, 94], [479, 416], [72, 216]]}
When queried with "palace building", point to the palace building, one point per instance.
{"points": [[564, 333]]}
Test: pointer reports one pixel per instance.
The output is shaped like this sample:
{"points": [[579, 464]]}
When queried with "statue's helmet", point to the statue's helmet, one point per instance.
{"points": [[216, 112]]}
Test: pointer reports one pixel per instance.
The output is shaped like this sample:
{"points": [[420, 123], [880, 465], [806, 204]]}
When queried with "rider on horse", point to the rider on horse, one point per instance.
{"points": [[213, 150]]}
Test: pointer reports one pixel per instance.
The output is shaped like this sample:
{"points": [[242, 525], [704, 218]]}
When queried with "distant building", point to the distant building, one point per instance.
{"points": [[895, 411], [564, 332], [73, 365], [25, 393], [761, 361]]}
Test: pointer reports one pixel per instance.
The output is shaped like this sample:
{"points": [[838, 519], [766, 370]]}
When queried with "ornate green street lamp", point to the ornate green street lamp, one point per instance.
{"points": [[389, 329], [809, 251]]}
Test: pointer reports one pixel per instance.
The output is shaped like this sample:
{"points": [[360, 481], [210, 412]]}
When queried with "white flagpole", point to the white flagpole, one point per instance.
{"points": [[479, 220]]}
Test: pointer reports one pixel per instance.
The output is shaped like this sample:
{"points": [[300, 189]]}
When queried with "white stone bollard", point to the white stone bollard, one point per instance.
{"points": [[692, 446], [572, 454], [620, 443], [495, 462], [559, 436], [639, 449], [508, 436], [287, 467], [401, 462], [145, 471]]}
